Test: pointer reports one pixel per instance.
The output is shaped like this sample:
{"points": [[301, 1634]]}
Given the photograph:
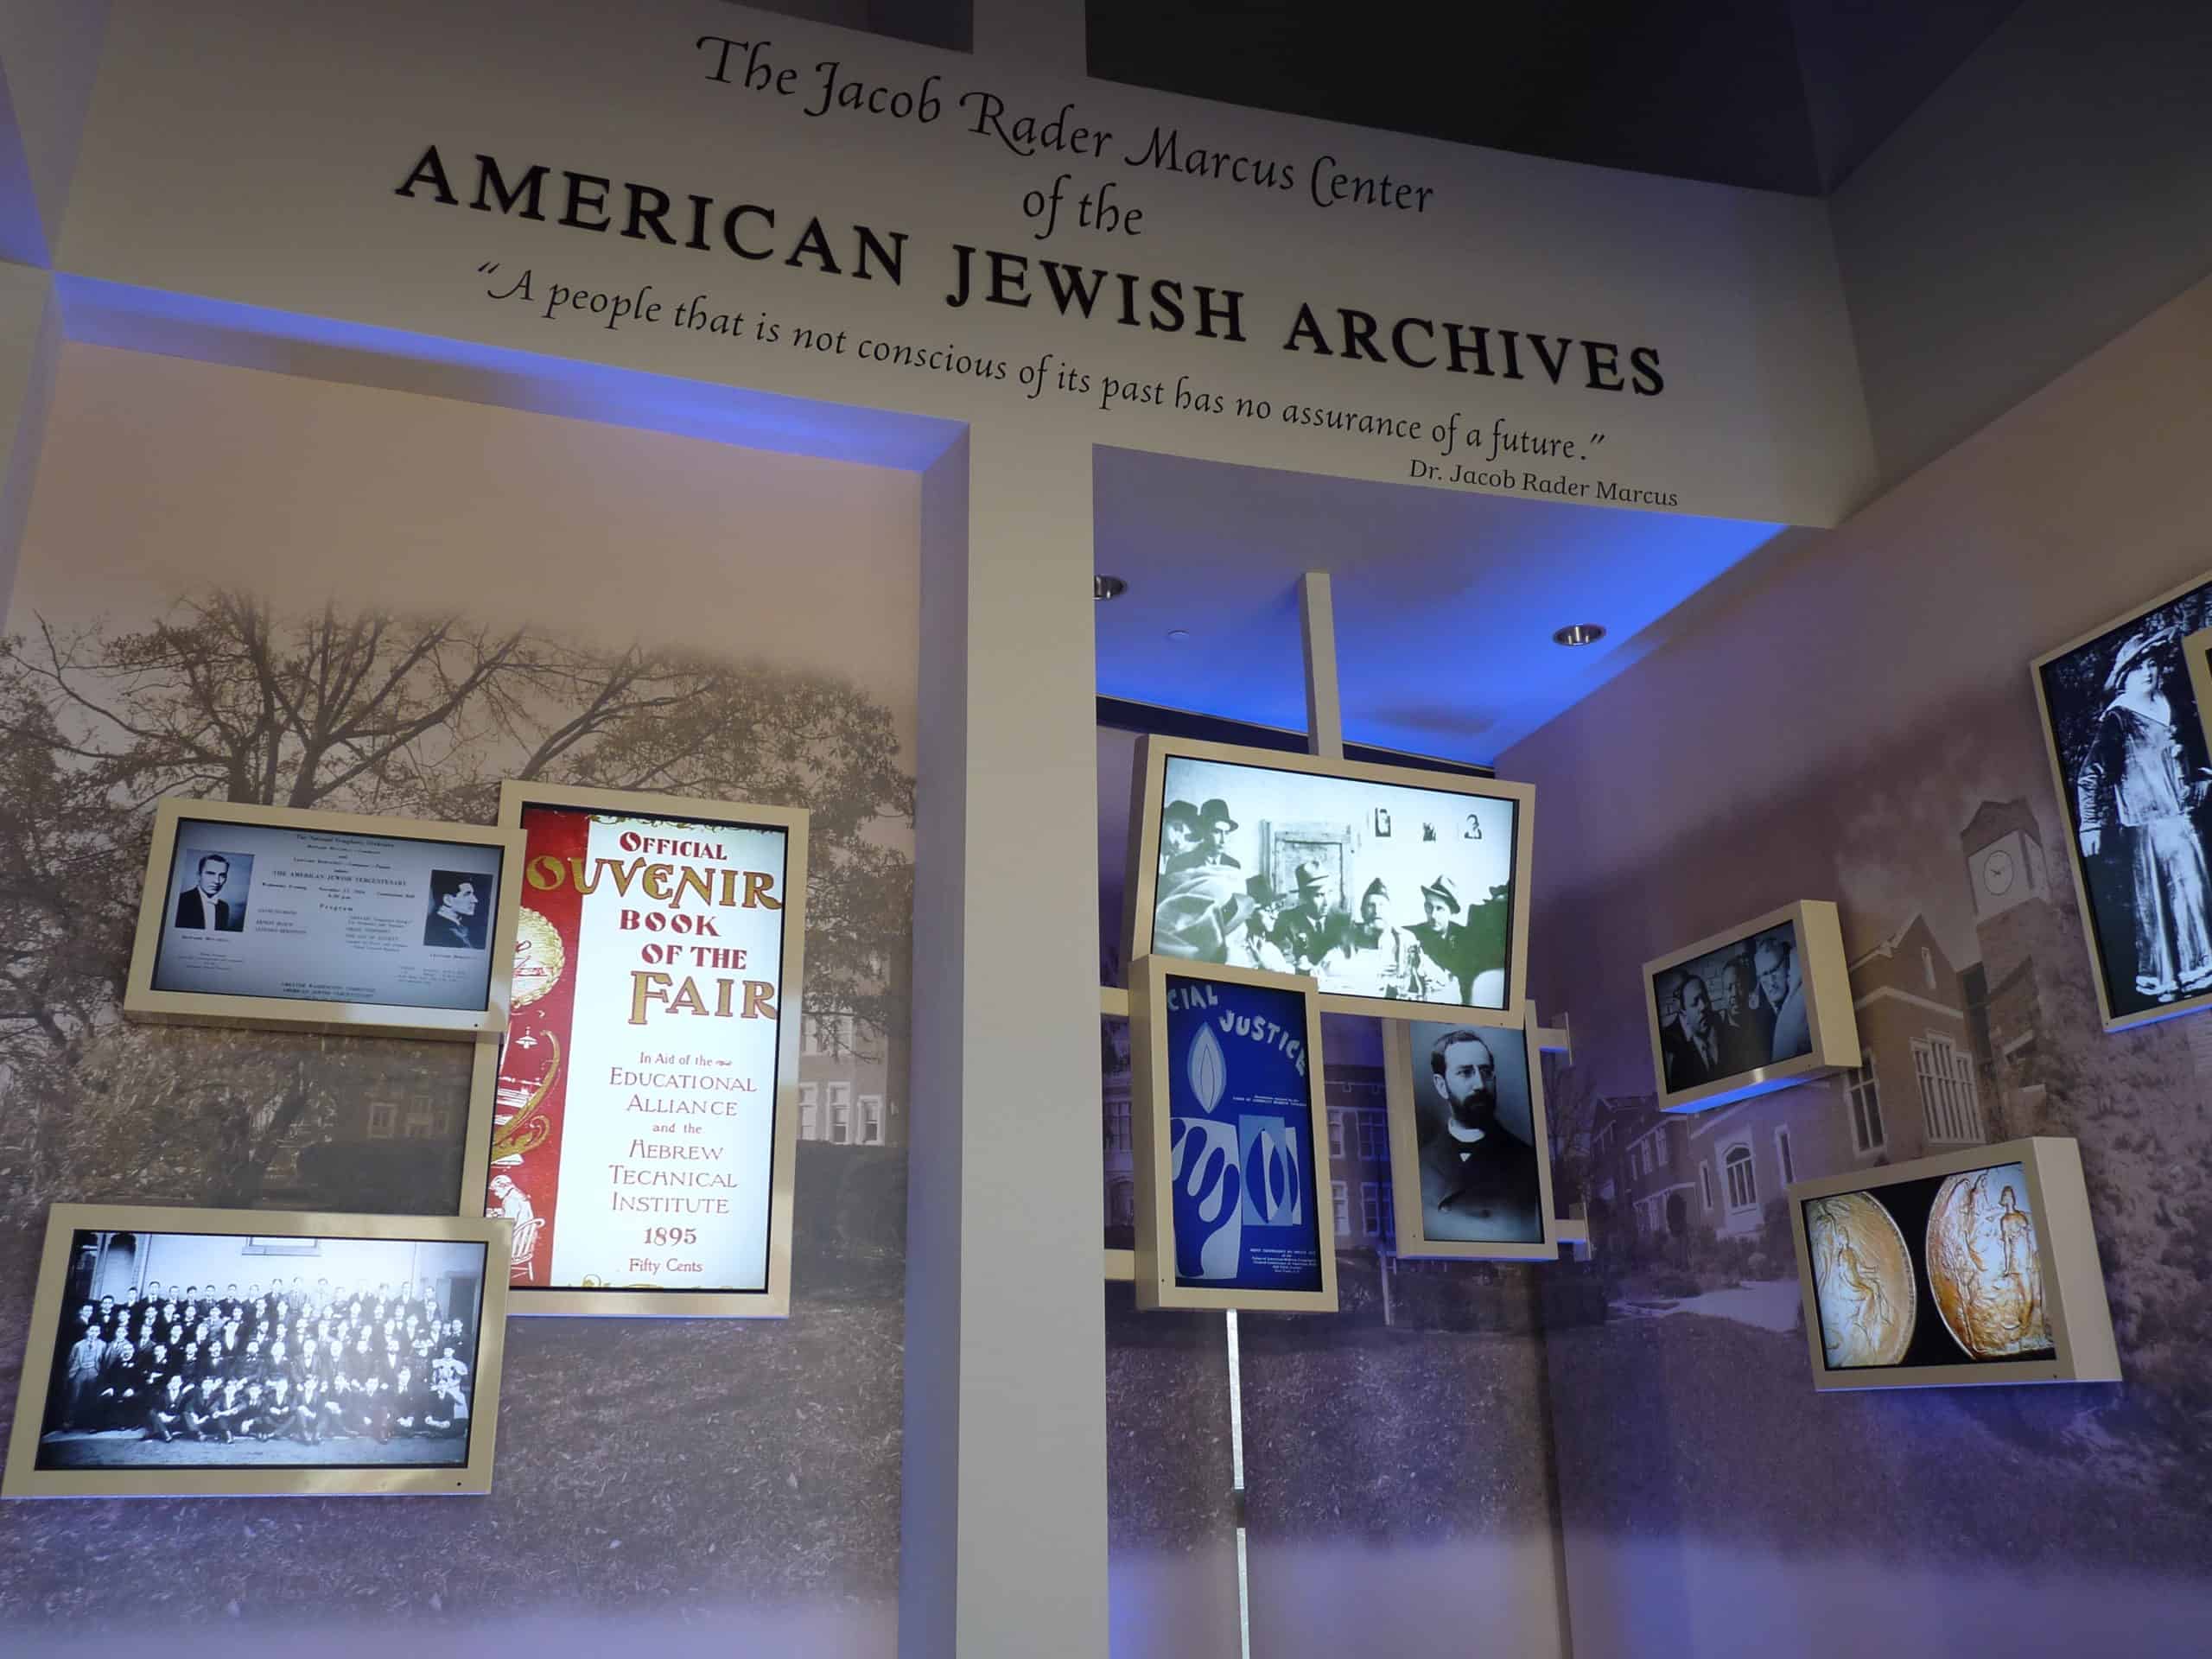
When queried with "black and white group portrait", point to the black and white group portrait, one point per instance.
{"points": [[210, 1350], [2131, 753], [1734, 1009], [211, 886], [461, 910], [1475, 1124], [1375, 890]]}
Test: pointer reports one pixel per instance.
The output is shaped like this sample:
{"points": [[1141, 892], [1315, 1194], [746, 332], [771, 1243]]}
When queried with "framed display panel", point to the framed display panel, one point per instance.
{"points": [[305, 1354], [644, 1123], [2124, 732], [267, 916], [1471, 1168], [1977, 1267], [1230, 1156], [1763, 1006], [1403, 894]]}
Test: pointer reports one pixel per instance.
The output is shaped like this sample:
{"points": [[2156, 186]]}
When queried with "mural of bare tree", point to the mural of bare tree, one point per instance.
{"points": [[367, 712]]}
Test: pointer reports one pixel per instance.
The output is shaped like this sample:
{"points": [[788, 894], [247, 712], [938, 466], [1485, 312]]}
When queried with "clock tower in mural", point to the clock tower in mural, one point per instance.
{"points": [[2017, 923]]}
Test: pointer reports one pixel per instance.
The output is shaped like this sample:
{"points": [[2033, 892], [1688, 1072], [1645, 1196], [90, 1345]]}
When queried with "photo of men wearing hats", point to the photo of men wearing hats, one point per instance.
{"points": [[1214, 827], [1306, 931], [1178, 833], [1291, 871]]}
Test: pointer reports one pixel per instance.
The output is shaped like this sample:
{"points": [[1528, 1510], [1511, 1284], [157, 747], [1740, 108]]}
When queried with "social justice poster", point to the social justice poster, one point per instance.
{"points": [[634, 1123], [1240, 1122]]}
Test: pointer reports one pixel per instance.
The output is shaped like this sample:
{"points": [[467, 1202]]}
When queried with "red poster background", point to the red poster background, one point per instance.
{"points": [[531, 1098]]}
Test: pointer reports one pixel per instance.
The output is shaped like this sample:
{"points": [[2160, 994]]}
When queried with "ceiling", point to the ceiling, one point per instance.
{"points": [[1774, 94], [1786, 95], [1445, 603]]}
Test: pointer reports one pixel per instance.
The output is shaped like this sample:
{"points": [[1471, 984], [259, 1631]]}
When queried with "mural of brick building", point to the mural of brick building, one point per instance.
{"points": [[1918, 1090], [1359, 1158], [1652, 1181], [844, 1086], [1120, 1142]]}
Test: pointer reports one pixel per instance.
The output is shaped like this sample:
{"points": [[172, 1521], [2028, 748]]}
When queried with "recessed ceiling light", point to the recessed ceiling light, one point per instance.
{"points": [[1108, 587], [1581, 633], [1177, 636]]}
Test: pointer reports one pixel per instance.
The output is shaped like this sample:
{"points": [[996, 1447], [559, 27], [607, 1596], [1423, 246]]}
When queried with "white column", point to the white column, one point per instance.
{"points": [[1003, 1547]]}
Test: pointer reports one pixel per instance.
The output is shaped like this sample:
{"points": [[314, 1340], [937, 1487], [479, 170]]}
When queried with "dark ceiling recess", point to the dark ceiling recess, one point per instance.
{"points": [[1786, 95]]}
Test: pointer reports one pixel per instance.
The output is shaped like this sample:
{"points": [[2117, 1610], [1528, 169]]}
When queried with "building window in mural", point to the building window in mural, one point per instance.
{"points": [[1743, 1183], [1866, 1095], [1950, 1109]]}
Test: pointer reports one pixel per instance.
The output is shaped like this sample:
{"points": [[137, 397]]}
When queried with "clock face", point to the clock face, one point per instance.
{"points": [[1998, 872]]}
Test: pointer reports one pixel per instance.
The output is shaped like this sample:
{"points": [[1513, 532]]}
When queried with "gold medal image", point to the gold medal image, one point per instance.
{"points": [[539, 957], [1862, 1280], [1984, 1267]]}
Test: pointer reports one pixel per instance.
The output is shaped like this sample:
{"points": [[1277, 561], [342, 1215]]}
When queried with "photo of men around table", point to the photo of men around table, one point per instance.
{"points": [[1479, 1180], [1373, 889], [218, 1350]]}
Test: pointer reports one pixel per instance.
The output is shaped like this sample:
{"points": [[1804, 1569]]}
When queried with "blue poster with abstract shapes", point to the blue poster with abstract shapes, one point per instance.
{"points": [[1240, 1129]]}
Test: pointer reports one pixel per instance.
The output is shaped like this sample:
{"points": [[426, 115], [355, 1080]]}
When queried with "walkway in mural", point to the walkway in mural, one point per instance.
{"points": [[1768, 1304]]}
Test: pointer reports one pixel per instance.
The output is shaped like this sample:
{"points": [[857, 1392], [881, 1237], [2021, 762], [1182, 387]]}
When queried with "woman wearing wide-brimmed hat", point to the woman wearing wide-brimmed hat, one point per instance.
{"points": [[2135, 776]]}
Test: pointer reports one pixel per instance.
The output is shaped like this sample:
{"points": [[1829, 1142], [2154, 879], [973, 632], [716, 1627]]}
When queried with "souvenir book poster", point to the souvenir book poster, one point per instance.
{"points": [[1240, 1125], [327, 916], [634, 1118], [2129, 748]]}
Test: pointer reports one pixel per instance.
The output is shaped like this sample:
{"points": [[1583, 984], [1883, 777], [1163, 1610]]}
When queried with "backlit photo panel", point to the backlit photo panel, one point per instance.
{"points": [[1469, 1146], [2129, 760], [177, 1352], [642, 1127], [1231, 1162], [1394, 889], [1974, 1266], [1763, 1006], [257, 915]]}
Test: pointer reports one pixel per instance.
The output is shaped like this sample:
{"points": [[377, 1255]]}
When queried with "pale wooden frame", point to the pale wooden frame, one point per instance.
{"points": [[1143, 881], [2066, 1243], [476, 1151], [142, 1001], [1402, 1098], [24, 1479], [774, 1301], [1572, 1230], [2164, 1010], [1154, 1256], [1828, 1012]]}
